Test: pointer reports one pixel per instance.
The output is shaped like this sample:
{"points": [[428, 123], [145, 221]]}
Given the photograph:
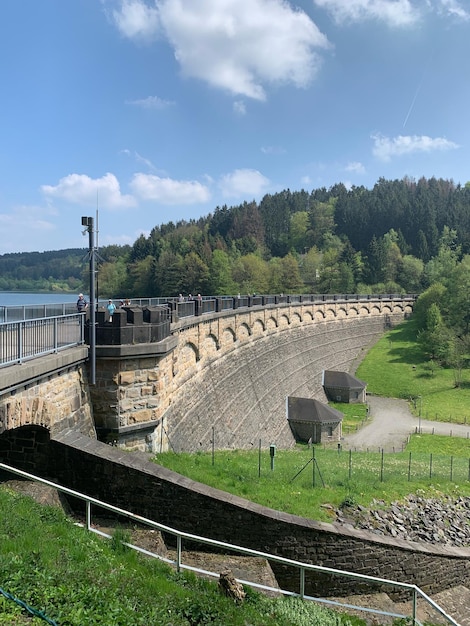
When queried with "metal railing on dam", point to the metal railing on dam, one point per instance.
{"points": [[28, 332], [28, 339]]}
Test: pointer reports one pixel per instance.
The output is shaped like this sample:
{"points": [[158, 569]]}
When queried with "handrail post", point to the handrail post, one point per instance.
{"points": [[414, 607], [302, 582], [20, 342], [88, 514], [56, 335], [178, 553]]}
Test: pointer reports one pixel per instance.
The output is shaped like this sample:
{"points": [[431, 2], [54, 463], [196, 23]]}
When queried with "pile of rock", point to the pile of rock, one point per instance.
{"points": [[443, 520]]}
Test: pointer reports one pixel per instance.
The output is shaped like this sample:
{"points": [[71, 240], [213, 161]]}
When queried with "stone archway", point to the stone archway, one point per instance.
{"points": [[27, 448]]}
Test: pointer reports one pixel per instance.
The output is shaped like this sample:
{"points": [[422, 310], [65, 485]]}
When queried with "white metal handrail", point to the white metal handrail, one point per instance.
{"points": [[415, 591]]}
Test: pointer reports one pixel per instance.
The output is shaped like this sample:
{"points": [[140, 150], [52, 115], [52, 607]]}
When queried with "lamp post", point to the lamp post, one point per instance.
{"points": [[89, 226]]}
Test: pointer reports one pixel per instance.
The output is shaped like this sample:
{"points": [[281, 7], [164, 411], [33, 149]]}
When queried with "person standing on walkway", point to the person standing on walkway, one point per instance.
{"points": [[82, 304], [111, 308]]}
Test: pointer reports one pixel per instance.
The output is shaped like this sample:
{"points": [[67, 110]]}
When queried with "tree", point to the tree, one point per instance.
{"points": [[436, 340], [195, 274], [298, 231], [458, 298], [411, 274], [441, 267], [112, 279], [251, 274], [168, 273], [141, 278], [322, 221], [310, 269], [435, 294], [290, 275], [220, 280], [376, 259]]}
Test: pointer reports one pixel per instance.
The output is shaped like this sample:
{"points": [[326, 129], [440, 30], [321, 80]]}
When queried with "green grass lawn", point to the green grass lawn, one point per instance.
{"points": [[70, 577], [395, 367], [303, 484]]}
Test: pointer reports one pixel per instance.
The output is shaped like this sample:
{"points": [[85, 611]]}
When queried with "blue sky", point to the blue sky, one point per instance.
{"points": [[159, 110]]}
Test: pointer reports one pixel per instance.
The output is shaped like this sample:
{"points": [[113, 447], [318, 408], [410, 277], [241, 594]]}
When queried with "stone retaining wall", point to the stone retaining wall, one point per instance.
{"points": [[128, 481]]}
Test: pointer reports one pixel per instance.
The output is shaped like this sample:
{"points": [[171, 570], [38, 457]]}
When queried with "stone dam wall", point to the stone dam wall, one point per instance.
{"points": [[240, 397], [225, 380]]}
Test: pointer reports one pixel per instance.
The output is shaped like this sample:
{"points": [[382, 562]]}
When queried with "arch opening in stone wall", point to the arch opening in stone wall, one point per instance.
{"points": [[21, 411], [284, 321], [296, 319], [210, 345], [271, 323], [308, 316], [244, 331], [228, 337], [330, 314], [320, 315], [26, 447], [341, 313], [189, 354], [258, 327]]}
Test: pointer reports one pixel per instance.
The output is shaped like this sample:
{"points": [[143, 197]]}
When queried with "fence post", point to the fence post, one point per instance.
{"points": [[259, 458], [213, 444]]}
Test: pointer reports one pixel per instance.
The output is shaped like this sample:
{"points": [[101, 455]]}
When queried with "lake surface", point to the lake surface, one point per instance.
{"points": [[15, 298]]}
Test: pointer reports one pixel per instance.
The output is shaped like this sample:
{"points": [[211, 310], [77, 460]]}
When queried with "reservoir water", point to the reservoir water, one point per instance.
{"points": [[16, 298]]}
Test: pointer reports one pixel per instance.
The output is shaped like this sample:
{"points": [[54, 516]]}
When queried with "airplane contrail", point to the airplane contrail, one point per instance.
{"points": [[417, 91], [412, 103]]}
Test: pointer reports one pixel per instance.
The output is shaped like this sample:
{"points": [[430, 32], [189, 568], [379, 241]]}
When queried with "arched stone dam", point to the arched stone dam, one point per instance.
{"points": [[231, 377]]}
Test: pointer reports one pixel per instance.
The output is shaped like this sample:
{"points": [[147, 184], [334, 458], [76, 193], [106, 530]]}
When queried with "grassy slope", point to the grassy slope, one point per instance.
{"points": [[395, 367], [79, 579]]}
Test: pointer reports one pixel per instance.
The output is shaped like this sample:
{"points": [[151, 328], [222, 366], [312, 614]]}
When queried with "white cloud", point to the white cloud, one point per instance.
{"points": [[81, 189], [236, 45], [272, 150], [454, 8], [136, 20], [385, 147], [151, 102], [356, 167], [239, 107], [392, 12], [26, 227], [169, 191], [244, 183]]}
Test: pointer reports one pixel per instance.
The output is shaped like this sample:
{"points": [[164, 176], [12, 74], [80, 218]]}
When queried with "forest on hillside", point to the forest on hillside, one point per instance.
{"points": [[400, 236]]}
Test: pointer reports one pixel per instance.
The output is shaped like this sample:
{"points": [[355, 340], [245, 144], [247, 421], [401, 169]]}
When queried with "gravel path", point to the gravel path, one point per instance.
{"points": [[390, 424]]}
